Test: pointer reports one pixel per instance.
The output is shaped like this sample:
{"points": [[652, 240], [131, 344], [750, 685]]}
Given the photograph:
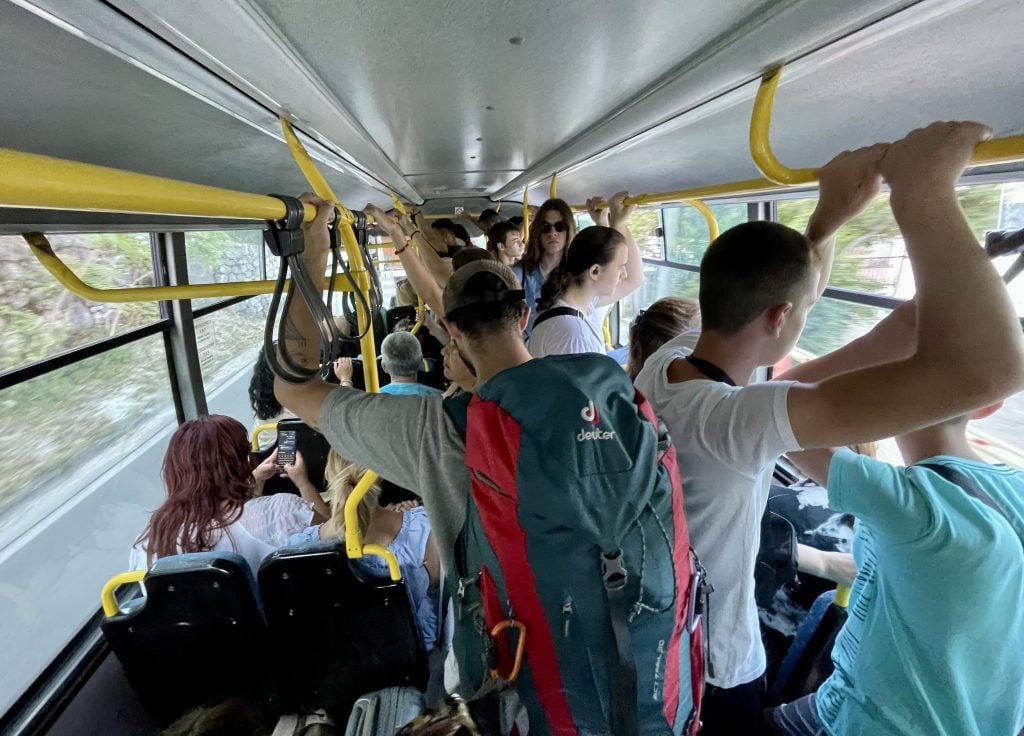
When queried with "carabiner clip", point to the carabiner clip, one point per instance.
{"points": [[517, 664]]}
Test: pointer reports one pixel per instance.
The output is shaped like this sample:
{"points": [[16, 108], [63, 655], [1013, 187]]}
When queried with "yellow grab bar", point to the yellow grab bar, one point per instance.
{"points": [[998, 150], [709, 218], [30, 180], [107, 599], [255, 441], [355, 257], [43, 252], [354, 546], [842, 597], [553, 189]]}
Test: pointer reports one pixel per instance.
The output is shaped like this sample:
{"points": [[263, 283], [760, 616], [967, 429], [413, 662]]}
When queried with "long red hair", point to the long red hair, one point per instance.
{"points": [[208, 478]]}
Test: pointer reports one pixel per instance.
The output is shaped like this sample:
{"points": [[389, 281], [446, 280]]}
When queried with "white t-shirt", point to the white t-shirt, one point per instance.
{"points": [[264, 526], [568, 334], [727, 439]]}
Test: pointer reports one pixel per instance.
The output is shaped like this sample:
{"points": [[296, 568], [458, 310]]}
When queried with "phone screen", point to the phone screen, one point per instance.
{"points": [[286, 447]]}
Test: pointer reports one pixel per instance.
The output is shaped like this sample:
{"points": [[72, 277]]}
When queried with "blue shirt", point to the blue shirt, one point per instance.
{"points": [[532, 281], [408, 389], [934, 642]]}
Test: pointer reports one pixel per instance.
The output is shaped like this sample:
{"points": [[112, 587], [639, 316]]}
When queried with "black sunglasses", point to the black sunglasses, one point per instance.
{"points": [[560, 227]]}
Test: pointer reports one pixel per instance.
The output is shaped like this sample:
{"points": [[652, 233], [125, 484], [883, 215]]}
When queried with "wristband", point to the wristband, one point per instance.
{"points": [[408, 242], [346, 382]]}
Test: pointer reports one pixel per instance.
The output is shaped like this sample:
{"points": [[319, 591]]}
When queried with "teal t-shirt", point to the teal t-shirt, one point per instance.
{"points": [[934, 642], [408, 389]]}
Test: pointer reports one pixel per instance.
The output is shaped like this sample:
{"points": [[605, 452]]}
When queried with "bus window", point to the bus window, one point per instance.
{"points": [[228, 340], [224, 256], [686, 232]]}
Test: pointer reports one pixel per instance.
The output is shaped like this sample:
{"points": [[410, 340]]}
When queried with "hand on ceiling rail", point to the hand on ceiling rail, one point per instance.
{"points": [[364, 320], [999, 150]]}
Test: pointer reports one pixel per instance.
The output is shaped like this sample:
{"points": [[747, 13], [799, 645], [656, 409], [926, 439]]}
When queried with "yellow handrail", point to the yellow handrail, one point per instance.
{"points": [[255, 440], [30, 180], [354, 546], [553, 189], [709, 218], [43, 252], [364, 321], [998, 150], [107, 599]]}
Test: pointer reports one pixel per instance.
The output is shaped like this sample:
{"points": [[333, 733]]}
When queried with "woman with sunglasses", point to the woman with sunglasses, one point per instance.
{"points": [[551, 229]]}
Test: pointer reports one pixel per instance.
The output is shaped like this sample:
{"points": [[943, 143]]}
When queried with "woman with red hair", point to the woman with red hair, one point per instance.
{"points": [[213, 498]]}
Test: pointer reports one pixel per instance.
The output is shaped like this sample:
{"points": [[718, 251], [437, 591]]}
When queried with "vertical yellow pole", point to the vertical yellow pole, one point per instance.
{"points": [[367, 344], [526, 215]]}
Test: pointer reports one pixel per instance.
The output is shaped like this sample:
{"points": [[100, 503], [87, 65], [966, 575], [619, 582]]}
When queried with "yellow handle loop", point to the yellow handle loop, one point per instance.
{"points": [[260, 430], [348, 237], [107, 599], [709, 218], [998, 150], [553, 189], [354, 546]]}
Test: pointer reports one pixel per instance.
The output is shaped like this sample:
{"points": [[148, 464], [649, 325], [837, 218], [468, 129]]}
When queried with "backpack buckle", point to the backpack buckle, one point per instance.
{"points": [[613, 572]]}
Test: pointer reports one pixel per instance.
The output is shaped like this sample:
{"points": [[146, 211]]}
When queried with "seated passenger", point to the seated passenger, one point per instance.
{"points": [[505, 242], [939, 543], [758, 281], [213, 498], [664, 320], [265, 407], [401, 527], [594, 265], [402, 359]]}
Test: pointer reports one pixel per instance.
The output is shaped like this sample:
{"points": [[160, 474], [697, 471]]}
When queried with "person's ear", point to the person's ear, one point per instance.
{"points": [[524, 318], [775, 317], [595, 271]]}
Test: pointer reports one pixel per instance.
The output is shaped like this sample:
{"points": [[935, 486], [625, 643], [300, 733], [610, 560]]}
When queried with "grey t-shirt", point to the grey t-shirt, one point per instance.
{"points": [[411, 441]]}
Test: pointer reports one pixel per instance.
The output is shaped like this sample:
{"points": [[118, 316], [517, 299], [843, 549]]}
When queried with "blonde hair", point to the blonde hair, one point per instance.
{"points": [[342, 477]]}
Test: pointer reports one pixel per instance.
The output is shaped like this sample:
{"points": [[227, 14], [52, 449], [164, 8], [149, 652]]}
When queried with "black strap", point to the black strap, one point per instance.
{"points": [[557, 312], [623, 674], [710, 370], [972, 489]]}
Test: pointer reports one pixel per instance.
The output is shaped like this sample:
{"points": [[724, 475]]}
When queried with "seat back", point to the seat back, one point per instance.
{"points": [[808, 663], [314, 448], [337, 636], [199, 636]]}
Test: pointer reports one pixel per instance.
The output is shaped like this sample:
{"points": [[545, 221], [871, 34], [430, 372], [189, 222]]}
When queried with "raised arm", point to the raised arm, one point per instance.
{"points": [[845, 187], [618, 219], [301, 337], [422, 280], [969, 350]]}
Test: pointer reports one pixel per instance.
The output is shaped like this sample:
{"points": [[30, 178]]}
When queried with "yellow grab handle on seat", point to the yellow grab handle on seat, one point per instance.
{"points": [[842, 598], [258, 431], [107, 598], [354, 546]]}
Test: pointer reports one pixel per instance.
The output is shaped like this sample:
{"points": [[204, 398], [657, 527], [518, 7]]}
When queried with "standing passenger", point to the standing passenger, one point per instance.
{"points": [[667, 318], [551, 230], [592, 269], [757, 283], [505, 242], [938, 543]]}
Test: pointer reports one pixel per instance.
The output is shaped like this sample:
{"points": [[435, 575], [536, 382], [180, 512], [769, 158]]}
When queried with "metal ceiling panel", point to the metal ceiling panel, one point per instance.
{"points": [[67, 96], [940, 69]]}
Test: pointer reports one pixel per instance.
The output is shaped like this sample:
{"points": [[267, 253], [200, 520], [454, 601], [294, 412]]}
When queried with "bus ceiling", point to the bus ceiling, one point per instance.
{"points": [[438, 104]]}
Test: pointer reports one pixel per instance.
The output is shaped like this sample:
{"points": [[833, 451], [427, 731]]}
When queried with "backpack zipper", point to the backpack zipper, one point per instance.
{"points": [[567, 612]]}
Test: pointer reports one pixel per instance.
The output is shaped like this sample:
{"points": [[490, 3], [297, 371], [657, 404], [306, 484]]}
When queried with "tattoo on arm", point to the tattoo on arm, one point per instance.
{"points": [[295, 342]]}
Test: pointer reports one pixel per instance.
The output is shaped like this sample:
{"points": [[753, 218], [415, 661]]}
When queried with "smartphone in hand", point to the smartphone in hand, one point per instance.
{"points": [[286, 446]]}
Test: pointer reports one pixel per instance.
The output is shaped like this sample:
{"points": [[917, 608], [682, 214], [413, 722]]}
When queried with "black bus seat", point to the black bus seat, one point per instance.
{"points": [[197, 637], [314, 448], [337, 637]]}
